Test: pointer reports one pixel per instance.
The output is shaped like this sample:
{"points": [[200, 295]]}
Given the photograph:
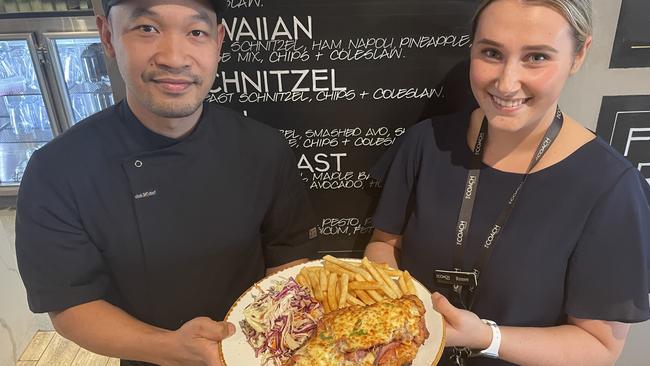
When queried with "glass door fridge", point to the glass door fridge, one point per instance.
{"points": [[52, 75], [26, 110], [81, 74]]}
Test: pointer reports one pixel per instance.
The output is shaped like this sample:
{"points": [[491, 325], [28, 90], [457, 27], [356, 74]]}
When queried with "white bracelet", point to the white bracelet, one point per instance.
{"points": [[492, 351]]}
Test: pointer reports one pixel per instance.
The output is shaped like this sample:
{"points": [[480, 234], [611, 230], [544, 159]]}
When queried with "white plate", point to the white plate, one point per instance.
{"points": [[236, 351]]}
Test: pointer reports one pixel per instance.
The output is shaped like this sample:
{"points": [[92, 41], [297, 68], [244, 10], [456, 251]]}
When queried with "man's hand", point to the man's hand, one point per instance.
{"points": [[462, 328], [105, 329], [198, 342]]}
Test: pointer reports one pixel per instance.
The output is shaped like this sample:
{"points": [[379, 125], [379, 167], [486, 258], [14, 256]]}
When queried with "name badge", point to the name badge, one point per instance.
{"points": [[456, 278]]}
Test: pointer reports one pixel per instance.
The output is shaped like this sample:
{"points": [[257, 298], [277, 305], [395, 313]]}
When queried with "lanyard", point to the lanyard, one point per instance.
{"points": [[469, 197]]}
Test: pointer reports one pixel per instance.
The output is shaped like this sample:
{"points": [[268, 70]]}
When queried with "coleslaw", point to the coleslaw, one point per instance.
{"points": [[280, 320]]}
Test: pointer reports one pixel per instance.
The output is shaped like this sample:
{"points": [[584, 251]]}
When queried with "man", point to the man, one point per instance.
{"points": [[144, 222]]}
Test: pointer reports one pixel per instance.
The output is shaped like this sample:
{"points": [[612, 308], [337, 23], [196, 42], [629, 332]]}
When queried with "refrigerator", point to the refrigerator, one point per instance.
{"points": [[81, 73], [53, 74]]}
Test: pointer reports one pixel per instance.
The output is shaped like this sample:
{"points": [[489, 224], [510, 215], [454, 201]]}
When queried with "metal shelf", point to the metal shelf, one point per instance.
{"points": [[19, 7], [39, 137], [90, 92], [7, 135], [23, 95], [90, 88]]}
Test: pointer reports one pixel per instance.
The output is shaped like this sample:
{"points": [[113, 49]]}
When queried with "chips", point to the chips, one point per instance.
{"points": [[338, 284]]}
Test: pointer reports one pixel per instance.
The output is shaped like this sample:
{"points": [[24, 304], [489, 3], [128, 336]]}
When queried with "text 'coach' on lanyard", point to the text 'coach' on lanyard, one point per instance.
{"points": [[470, 280]]}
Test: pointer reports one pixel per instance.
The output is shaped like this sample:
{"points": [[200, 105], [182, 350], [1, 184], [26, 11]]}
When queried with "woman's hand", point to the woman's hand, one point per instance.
{"points": [[462, 328]]}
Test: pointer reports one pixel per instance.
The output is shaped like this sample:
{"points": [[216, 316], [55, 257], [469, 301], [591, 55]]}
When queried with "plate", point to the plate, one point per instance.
{"points": [[236, 351]]}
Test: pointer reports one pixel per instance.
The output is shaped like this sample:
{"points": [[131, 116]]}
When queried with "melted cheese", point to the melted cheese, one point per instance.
{"points": [[358, 328]]}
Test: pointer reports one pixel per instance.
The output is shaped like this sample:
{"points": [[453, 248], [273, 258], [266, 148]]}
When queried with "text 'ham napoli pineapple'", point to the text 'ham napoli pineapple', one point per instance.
{"points": [[387, 333]]}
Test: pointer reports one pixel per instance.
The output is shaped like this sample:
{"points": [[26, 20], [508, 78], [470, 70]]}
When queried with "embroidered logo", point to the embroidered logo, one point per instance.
{"points": [[145, 194]]}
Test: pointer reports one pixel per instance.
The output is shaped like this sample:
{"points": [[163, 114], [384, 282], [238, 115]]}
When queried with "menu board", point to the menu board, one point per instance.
{"points": [[625, 123], [342, 80], [632, 42]]}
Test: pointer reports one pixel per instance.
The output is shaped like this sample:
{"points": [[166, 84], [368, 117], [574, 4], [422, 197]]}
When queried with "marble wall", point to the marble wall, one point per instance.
{"points": [[17, 323]]}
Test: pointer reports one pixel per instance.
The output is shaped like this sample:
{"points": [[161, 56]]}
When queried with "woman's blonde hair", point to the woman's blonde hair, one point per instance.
{"points": [[578, 14]]}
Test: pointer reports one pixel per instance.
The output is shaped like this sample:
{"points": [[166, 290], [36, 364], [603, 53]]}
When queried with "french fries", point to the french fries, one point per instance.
{"points": [[348, 266], [402, 284], [364, 297], [393, 286], [377, 276], [302, 281], [376, 296], [331, 267], [392, 272], [354, 301], [338, 284], [331, 291], [409, 283], [315, 283], [343, 290], [364, 285]]}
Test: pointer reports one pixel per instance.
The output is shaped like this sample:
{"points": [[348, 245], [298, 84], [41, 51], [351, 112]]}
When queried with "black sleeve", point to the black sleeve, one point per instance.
{"points": [[288, 227], [397, 170], [58, 263], [609, 270]]}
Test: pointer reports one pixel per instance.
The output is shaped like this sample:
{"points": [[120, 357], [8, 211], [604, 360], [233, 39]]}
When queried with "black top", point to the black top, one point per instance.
{"points": [[166, 229], [577, 243]]}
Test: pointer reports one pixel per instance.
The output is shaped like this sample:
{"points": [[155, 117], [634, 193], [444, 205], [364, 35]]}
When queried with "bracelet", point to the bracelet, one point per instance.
{"points": [[492, 351]]}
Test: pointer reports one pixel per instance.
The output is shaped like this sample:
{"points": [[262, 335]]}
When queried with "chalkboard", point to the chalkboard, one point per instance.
{"points": [[632, 42], [625, 123], [342, 80]]}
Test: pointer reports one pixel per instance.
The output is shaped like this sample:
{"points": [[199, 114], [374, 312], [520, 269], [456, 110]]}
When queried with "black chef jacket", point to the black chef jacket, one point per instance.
{"points": [[166, 229]]}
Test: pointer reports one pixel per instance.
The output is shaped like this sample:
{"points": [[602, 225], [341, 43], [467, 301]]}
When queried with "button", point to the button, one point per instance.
{"points": [[138, 164]]}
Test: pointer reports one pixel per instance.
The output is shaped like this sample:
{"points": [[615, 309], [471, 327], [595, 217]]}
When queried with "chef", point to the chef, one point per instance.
{"points": [[139, 227]]}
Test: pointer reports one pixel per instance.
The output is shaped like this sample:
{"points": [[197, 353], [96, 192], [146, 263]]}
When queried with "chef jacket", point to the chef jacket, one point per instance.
{"points": [[166, 229]]}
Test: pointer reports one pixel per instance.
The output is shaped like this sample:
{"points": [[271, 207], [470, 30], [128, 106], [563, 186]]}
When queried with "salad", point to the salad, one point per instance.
{"points": [[280, 320]]}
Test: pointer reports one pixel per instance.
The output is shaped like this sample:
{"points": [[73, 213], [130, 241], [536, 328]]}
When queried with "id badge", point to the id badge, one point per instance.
{"points": [[456, 278]]}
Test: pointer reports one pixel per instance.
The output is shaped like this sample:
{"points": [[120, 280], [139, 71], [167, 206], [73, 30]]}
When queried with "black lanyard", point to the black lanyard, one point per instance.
{"points": [[469, 197]]}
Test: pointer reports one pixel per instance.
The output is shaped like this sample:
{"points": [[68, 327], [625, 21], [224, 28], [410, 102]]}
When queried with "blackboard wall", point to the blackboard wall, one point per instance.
{"points": [[342, 80]]}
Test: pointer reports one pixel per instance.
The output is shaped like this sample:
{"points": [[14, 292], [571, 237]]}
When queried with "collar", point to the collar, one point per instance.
{"points": [[150, 140]]}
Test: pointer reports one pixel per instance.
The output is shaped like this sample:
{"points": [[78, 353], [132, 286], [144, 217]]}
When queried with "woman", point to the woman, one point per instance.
{"points": [[560, 256]]}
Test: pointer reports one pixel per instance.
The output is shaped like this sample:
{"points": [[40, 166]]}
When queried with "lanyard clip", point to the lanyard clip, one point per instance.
{"points": [[459, 355]]}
